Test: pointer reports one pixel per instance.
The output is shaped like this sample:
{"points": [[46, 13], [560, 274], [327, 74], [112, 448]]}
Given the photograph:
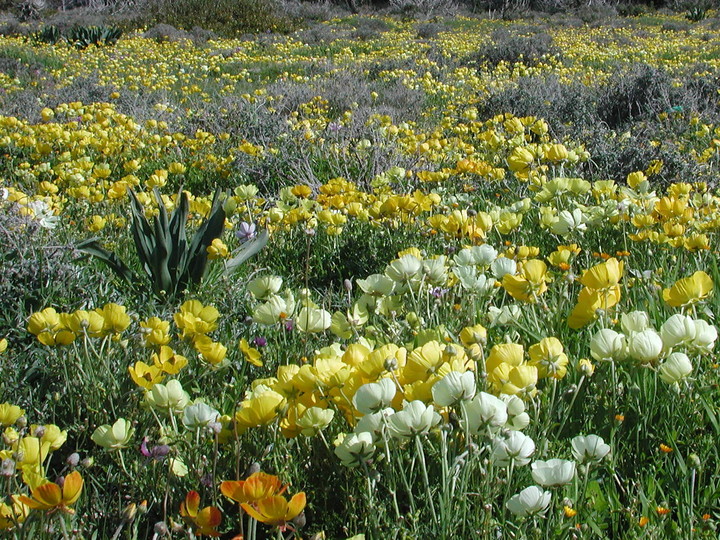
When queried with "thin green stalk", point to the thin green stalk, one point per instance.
{"points": [[426, 480]]}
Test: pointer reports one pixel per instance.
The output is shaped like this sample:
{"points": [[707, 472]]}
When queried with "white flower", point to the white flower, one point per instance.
{"points": [[453, 388], [264, 287], [376, 285], [482, 255], [168, 397], [607, 345], [373, 397], [678, 329], [313, 320], [516, 448], [314, 419], [484, 410], [590, 448], [635, 321], [705, 336], [569, 221], [355, 449], [405, 271], [518, 419], [553, 472], [645, 346], [374, 423], [530, 501], [435, 270], [675, 368], [199, 415], [503, 266], [471, 281], [505, 315], [415, 418], [43, 214]]}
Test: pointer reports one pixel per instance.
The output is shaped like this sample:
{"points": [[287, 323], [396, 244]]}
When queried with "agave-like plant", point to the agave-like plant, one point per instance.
{"points": [[167, 258]]}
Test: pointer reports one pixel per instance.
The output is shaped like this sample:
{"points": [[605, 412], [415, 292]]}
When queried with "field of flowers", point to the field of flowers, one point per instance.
{"points": [[378, 278]]}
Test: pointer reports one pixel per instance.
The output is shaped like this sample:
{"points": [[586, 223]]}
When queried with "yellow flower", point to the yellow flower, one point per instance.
{"points": [[260, 410], [301, 191], [549, 358], [9, 414], [520, 160], [251, 354], [504, 353], [276, 511], [689, 290], [529, 284], [13, 513], [155, 332], [86, 322], [3, 345], [176, 168], [217, 250], [49, 328], [144, 375], [522, 382], [116, 320], [213, 352], [205, 521], [603, 275], [168, 361], [258, 486], [589, 302], [195, 318], [52, 497], [95, 223]]}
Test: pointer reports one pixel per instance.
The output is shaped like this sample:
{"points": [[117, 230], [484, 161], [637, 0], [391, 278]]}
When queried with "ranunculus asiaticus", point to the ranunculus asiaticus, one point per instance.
{"points": [[52, 497], [259, 410], [550, 359], [589, 301], [204, 521], [689, 290], [511, 354], [604, 275], [257, 486], [529, 283], [276, 511]]}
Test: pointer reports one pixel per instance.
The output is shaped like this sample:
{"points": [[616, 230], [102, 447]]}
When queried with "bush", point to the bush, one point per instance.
{"points": [[568, 108], [635, 92], [35, 270], [513, 48], [228, 17]]}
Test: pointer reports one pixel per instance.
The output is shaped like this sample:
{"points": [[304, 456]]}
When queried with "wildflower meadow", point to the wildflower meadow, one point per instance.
{"points": [[407, 273]]}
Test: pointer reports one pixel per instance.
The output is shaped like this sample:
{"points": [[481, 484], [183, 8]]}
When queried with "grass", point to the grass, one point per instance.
{"points": [[383, 195]]}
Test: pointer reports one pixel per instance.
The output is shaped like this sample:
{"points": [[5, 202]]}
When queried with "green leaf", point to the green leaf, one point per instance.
{"points": [[247, 250], [93, 248]]}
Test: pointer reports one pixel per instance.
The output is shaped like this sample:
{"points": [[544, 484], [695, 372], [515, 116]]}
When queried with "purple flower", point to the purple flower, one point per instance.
{"points": [[289, 325], [156, 453], [259, 341], [438, 292], [246, 231]]}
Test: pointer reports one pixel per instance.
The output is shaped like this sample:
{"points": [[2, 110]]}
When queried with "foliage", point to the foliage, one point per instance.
{"points": [[228, 17], [169, 261], [79, 37]]}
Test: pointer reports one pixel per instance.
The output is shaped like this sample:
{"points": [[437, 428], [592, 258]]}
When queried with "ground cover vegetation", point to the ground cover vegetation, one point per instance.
{"points": [[380, 276]]}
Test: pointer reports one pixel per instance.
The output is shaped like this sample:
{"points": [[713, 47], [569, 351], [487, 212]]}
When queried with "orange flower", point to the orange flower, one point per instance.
{"points": [[52, 497], [661, 510], [643, 521], [665, 448], [258, 486], [205, 521], [276, 511]]}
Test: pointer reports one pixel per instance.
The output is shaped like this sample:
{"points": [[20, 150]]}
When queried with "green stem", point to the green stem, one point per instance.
{"points": [[426, 480]]}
